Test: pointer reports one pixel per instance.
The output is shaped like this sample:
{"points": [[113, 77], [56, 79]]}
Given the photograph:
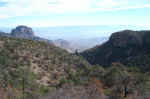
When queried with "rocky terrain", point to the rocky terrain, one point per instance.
{"points": [[22, 32], [26, 33], [39, 64]]}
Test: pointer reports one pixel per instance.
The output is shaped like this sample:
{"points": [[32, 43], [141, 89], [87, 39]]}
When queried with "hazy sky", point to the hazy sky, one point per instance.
{"points": [[44, 13]]}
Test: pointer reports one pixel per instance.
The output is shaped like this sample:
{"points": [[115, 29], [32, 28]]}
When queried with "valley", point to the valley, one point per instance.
{"points": [[35, 68]]}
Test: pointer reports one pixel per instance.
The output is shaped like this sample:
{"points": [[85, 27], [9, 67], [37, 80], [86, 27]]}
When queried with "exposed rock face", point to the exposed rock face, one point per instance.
{"points": [[26, 33], [122, 46], [22, 32]]}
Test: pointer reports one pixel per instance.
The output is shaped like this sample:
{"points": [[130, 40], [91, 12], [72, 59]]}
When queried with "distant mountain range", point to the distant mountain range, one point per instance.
{"points": [[74, 38], [70, 45], [78, 32], [64, 44], [84, 44]]}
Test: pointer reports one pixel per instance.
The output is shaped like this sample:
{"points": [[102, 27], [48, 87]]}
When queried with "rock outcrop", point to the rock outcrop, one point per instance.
{"points": [[26, 33], [23, 32]]}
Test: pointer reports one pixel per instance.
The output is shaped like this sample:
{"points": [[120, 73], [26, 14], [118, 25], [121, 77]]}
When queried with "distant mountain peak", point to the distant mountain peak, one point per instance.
{"points": [[22, 31]]}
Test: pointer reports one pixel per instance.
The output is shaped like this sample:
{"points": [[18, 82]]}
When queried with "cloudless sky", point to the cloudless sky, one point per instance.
{"points": [[45, 13]]}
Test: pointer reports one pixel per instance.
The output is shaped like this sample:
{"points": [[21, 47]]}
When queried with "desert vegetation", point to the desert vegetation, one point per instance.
{"points": [[38, 70]]}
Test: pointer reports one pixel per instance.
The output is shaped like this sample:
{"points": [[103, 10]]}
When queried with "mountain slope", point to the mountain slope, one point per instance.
{"points": [[125, 46], [35, 64], [42, 57], [31, 69]]}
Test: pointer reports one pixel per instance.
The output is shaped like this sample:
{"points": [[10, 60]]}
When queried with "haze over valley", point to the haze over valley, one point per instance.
{"points": [[79, 37]]}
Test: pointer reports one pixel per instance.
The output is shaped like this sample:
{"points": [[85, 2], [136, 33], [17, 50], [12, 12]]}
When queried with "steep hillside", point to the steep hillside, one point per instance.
{"points": [[127, 47], [27, 63], [47, 60]]}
